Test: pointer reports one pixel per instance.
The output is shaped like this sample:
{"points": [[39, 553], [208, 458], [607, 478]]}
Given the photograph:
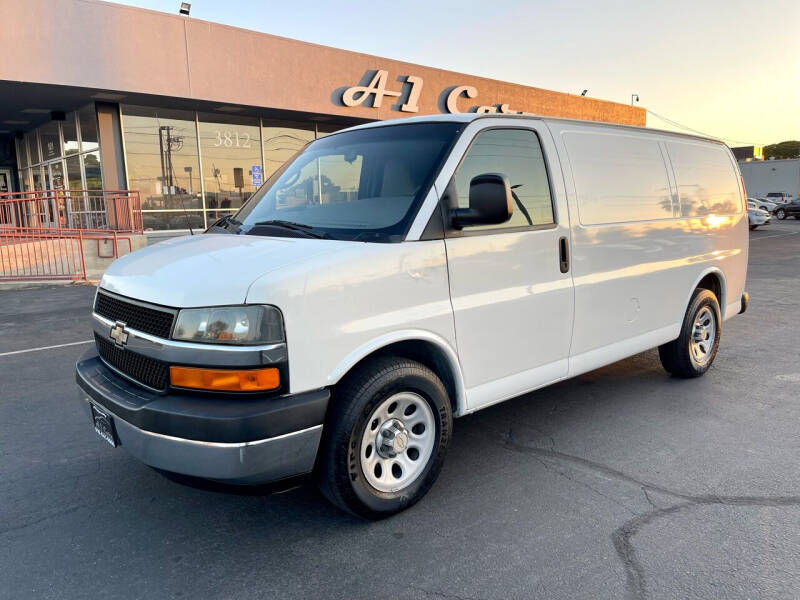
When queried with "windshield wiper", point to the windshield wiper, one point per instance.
{"points": [[306, 230], [223, 222]]}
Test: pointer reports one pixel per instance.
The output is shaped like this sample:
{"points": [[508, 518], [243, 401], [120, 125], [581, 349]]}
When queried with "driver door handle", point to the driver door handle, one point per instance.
{"points": [[563, 254]]}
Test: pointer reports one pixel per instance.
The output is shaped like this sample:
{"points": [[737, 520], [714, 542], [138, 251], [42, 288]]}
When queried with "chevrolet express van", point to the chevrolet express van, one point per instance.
{"points": [[396, 275]]}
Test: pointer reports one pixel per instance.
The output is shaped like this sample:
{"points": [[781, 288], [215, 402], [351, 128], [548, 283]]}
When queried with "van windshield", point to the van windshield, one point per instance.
{"points": [[363, 185]]}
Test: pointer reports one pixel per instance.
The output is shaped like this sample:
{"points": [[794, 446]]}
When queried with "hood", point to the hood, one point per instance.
{"points": [[206, 269]]}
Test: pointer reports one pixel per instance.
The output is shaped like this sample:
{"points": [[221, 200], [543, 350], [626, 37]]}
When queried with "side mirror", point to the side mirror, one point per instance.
{"points": [[490, 202]]}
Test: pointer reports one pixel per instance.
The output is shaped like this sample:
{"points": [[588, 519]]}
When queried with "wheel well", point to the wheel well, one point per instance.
{"points": [[427, 354], [713, 283]]}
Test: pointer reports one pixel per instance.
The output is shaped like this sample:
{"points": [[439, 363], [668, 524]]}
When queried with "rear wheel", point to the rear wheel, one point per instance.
{"points": [[781, 214], [385, 437], [691, 354]]}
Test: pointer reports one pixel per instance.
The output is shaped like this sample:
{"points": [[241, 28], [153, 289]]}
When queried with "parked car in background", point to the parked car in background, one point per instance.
{"points": [[756, 216], [788, 210], [764, 204], [779, 197]]}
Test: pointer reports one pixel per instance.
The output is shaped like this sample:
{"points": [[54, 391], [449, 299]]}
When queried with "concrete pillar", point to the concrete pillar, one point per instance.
{"points": [[112, 156]]}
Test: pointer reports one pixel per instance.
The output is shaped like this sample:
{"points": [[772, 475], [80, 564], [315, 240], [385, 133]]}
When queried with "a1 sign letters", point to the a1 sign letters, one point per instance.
{"points": [[376, 90], [356, 95]]}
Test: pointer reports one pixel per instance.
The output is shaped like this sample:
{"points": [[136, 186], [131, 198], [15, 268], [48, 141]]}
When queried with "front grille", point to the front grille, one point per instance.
{"points": [[140, 368], [142, 318]]}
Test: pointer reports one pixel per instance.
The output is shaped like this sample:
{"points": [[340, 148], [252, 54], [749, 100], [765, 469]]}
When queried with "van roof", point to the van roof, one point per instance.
{"points": [[469, 117]]}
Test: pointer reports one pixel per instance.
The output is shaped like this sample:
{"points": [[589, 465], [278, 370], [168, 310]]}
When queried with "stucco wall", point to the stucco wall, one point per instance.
{"points": [[94, 44]]}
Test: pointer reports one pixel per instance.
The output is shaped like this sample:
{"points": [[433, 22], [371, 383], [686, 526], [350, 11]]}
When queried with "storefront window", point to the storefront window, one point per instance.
{"points": [[161, 152], [38, 182], [74, 173], [33, 147], [230, 149], [281, 141], [87, 118], [70, 132], [22, 154], [50, 140], [93, 173]]}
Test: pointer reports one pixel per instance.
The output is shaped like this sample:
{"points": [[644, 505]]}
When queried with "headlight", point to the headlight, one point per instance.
{"points": [[243, 325]]}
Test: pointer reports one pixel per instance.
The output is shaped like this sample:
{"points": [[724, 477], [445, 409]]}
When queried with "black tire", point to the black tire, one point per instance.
{"points": [[780, 213], [676, 356], [752, 227], [339, 473], [797, 216]]}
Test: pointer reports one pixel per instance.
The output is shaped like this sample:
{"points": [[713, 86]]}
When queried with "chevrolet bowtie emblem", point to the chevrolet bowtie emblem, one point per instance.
{"points": [[119, 334]]}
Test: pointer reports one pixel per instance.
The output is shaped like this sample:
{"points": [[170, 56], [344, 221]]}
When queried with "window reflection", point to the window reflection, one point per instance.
{"points": [[50, 140], [74, 179], [161, 151], [33, 147], [91, 167], [231, 155], [22, 154], [281, 141], [70, 132], [87, 117]]}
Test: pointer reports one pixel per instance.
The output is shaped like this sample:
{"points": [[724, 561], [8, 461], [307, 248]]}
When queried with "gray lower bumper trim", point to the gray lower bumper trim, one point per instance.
{"points": [[253, 462]]}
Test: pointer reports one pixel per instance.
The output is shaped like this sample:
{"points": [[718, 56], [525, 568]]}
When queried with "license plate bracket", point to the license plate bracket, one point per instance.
{"points": [[104, 425]]}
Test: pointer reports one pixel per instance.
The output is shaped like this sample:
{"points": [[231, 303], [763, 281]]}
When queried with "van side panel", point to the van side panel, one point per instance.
{"points": [[637, 254]]}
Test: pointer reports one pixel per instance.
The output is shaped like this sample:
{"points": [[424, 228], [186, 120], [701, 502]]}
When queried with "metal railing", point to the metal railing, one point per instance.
{"points": [[45, 235], [111, 210]]}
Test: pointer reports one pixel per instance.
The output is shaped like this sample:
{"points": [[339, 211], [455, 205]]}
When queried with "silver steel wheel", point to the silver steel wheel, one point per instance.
{"points": [[704, 333], [397, 441]]}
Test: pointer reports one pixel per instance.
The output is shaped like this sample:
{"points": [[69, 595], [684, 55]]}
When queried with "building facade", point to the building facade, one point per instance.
{"points": [[196, 115], [764, 176]]}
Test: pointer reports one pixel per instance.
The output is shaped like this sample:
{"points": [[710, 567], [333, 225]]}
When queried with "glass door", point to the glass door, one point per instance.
{"points": [[53, 211]]}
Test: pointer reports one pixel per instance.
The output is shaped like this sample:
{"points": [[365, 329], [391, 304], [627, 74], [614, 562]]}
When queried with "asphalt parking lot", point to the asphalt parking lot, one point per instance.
{"points": [[623, 482]]}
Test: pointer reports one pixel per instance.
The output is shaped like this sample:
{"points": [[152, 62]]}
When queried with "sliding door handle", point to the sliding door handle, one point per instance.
{"points": [[563, 254]]}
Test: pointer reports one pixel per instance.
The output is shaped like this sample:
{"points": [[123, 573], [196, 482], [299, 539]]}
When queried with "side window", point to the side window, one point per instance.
{"points": [[517, 154]]}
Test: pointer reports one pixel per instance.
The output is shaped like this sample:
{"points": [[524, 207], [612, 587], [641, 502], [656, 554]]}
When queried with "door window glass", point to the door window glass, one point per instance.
{"points": [[517, 154]]}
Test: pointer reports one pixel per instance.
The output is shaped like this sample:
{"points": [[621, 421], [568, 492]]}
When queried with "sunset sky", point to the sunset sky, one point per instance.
{"points": [[726, 68]]}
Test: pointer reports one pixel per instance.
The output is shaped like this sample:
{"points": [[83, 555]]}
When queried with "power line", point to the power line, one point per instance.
{"points": [[682, 126]]}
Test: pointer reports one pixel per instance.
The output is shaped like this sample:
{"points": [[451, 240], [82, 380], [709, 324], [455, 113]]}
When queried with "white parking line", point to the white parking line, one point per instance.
{"points": [[766, 237], [45, 348]]}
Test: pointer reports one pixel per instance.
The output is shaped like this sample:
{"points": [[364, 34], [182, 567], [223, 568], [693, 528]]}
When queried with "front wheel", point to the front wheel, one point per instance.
{"points": [[385, 437], [781, 214], [691, 354]]}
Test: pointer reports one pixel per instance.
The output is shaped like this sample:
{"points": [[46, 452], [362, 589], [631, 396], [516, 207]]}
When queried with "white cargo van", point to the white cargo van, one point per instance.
{"points": [[396, 275]]}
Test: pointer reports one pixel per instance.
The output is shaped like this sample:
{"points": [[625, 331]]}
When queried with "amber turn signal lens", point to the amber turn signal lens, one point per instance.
{"points": [[225, 380]]}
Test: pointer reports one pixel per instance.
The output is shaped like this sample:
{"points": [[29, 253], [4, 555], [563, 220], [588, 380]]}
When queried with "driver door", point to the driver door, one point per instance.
{"points": [[510, 288]]}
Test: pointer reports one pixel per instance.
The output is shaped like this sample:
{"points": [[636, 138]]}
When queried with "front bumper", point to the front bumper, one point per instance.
{"points": [[246, 440]]}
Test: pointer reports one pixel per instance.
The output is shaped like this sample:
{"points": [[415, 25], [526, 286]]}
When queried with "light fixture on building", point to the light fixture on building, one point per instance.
{"points": [[634, 98], [185, 8], [584, 92]]}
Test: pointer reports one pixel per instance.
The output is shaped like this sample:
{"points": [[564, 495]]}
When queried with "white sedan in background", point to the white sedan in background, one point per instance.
{"points": [[764, 204], [756, 216]]}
